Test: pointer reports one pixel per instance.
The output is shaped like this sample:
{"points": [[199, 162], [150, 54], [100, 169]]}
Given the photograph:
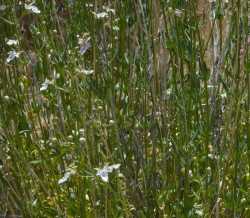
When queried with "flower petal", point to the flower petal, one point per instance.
{"points": [[64, 178], [12, 55], [104, 172], [31, 7]]}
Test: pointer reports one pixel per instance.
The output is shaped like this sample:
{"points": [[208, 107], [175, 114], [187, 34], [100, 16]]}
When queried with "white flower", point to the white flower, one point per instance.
{"points": [[198, 210], [109, 10], [31, 7], [12, 42], [34, 203], [45, 84], [66, 176], [3, 7], [89, 5], [223, 95], [87, 72], [104, 172], [12, 55], [115, 28], [84, 45], [101, 15], [178, 12]]}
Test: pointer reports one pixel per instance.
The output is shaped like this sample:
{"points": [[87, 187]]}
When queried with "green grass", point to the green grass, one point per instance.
{"points": [[163, 90]]}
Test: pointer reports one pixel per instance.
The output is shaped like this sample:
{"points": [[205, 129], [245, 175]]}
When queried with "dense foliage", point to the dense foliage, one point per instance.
{"points": [[124, 108]]}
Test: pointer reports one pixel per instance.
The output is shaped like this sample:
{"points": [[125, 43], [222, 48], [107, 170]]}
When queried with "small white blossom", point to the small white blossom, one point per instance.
{"points": [[109, 10], [45, 84], [224, 95], [12, 42], [66, 177], [111, 121], [82, 139], [89, 5], [101, 15], [12, 55], [82, 131], [104, 172], [87, 72], [31, 7], [178, 12], [115, 28], [34, 203], [84, 45], [3, 7]]}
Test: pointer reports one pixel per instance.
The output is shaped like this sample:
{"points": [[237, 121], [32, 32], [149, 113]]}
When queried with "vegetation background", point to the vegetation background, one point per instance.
{"points": [[126, 108]]}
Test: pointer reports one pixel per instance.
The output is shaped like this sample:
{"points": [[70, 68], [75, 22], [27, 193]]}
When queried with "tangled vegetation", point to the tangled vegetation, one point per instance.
{"points": [[123, 108]]}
